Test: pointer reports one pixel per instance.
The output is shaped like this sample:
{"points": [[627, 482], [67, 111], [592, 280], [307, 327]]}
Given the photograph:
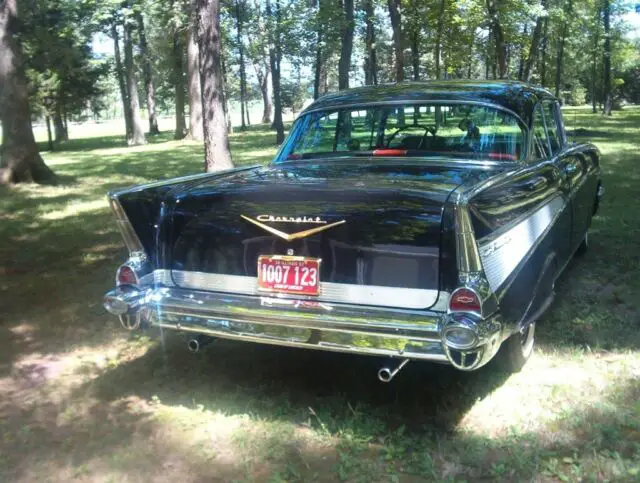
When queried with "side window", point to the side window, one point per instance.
{"points": [[540, 135], [555, 133]]}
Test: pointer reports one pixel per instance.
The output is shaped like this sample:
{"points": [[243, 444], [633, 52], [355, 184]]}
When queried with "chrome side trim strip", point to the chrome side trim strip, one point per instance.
{"points": [[503, 253], [376, 295]]}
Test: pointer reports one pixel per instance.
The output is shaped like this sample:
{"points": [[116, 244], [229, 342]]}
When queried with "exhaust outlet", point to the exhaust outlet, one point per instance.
{"points": [[199, 342], [386, 374]]}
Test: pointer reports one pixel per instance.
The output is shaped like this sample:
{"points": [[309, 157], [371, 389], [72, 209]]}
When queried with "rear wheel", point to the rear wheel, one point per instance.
{"points": [[517, 349]]}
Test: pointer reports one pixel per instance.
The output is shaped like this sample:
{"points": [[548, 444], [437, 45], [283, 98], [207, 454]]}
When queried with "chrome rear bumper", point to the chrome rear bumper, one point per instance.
{"points": [[308, 324]]}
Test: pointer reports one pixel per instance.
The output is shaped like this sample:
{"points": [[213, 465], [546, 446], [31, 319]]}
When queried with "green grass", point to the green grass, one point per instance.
{"points": [[82, 400]]}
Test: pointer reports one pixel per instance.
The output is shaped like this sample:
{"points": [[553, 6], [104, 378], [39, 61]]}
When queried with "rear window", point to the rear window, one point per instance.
{"points": [[420, 130]]}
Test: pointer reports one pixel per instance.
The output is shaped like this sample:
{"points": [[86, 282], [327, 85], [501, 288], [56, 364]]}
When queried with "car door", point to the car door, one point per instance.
{"points": [[575, 166], [547, 150]]}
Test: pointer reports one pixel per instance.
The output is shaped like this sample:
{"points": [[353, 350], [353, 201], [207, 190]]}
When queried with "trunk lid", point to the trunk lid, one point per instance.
{"points": [[390, 237]]}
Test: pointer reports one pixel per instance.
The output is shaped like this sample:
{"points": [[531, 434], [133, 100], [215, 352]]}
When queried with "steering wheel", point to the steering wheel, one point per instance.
{"points": [[427, 130]]}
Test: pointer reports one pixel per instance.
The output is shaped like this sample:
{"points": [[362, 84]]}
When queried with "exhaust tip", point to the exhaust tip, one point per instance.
{"points": [[384, 374], [194, 345]]}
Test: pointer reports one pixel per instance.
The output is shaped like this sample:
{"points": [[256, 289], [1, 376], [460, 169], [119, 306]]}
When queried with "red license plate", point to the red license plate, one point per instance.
{"points": [[284, 274]]}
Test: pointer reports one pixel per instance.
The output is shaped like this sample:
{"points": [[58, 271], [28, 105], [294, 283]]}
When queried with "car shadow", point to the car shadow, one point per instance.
{"points": [[294, 384]]}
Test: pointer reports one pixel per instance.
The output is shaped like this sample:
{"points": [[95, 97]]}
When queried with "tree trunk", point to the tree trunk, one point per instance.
{"points": [[498, 37], [370, 60], [415, 54], [177, 55], [344, 65], [522, 58], [543, 54], [193, 88], [608, 100], [439, 30], [560, 58], [216, 140], [137, 131], [58, 124], [225, 96], [317, 79], [148, 76], [49, 136], [275, 54], [396, 25], [594, 64], [243, 75], [126, 112], [20, 160], [535, 45], [265, 89]]}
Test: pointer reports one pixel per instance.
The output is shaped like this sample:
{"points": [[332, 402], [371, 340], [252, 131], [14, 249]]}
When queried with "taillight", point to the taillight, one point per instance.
{"points": [[126, 276], [465, 300]]}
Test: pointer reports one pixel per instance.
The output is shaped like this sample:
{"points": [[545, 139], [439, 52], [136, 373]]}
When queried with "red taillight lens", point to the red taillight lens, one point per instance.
{"points": [[464, 300], [126, 276]]}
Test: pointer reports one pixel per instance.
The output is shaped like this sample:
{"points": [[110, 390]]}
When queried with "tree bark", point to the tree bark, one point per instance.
{"points": [[49, 136], [225, 96], [439, 30], [243, 75], [396, 25], [317, 79], [148, 76], [137, 133], [264, 82], [559, 59], [608, 100], [124, 94], [594, 64], [415, 55], [498, 37], [216, 140], [344, 65], [543, 53], [60, 130], [533, 49], [370, 60], [522, 58], [194, 91], [177, 54], [20, 160], [275, 55]]}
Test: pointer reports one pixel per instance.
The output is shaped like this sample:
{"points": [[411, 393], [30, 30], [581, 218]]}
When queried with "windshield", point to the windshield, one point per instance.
{"points": [[422, 130]]}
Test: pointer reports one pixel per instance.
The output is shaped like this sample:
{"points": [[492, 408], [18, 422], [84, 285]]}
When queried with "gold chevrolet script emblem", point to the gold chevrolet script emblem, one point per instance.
{"points": [[292, 236]]}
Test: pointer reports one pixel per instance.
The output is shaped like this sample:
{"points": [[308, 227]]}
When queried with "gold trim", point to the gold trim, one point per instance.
{"points": [[292, 236]]}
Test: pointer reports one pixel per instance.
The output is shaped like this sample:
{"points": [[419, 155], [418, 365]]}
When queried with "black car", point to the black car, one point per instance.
{"points": [[420, 221]]}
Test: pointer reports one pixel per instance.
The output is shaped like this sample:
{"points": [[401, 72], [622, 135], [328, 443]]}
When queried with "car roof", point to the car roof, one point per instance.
{"points": [[515, 96]]}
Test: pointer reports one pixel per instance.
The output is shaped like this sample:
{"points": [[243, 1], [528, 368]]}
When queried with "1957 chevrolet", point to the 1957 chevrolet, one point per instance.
{"points": [[420, 221]]}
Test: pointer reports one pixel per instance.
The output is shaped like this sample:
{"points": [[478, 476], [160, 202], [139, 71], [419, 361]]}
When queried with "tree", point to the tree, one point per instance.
{"points": [[136, 136], [493, 7], [124, 93], [216, 141], [398, 40], [564, 30], [608, 101], [348, 27], [535, 44], [193, 88], [177, 53], [148, 76], [243, 75], [19, 157], [370, 60], [275, 56], [258, 53]]}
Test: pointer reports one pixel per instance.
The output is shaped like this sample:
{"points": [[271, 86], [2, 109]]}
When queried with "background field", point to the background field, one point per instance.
{"points": [[83, 400]]}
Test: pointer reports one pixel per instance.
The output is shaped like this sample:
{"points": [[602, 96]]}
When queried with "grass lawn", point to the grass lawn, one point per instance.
{"points": [[80, 399]]}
